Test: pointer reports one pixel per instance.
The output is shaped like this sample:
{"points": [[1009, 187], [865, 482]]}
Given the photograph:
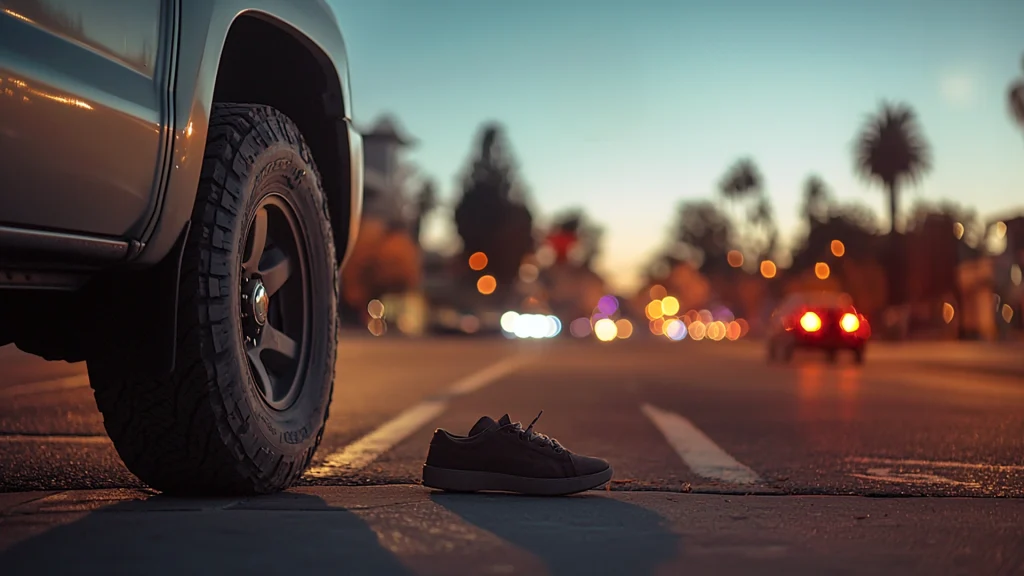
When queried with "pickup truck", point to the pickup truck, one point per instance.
{"points": [[180, 183]]}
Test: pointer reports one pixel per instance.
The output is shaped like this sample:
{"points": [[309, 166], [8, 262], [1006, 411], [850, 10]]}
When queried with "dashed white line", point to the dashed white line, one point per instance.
{"points": [[700, 453], [362, 452]]}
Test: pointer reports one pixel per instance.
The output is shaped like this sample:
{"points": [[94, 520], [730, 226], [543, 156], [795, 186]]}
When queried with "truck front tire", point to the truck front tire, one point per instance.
{"points": [[246, 404]]}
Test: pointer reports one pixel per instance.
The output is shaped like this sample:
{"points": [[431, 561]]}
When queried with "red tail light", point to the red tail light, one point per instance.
{"points": [[810, 322], [849, 322]]}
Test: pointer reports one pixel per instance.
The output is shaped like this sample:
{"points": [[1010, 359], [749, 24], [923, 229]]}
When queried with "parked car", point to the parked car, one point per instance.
{"points": [[817, 320], [181, 182]]}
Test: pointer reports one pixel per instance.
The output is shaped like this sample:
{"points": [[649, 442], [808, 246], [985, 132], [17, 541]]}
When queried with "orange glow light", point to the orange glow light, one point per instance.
{"points": [[735, 258], [768, 269], [478, 261], [838, 248], [821, 270], [486, 284]]}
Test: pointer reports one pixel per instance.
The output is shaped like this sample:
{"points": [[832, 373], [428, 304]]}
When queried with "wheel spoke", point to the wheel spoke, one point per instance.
{"points": [[260, 373], [278, 342], [259, 241], [277, 273]]}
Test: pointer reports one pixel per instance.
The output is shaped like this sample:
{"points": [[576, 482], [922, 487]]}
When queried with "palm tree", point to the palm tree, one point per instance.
{"points": [[1016, 99], [741, 181], [891, 149], [816, 200]]}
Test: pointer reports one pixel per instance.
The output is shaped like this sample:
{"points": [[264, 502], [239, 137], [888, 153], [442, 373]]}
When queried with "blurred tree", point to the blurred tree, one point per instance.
{"points": [[704, 235], [892, 149], [425, 203], [763, 236], [741, 181], [384, 260], [491, 216], [1016, 98], [816, 200], [743, 184]]}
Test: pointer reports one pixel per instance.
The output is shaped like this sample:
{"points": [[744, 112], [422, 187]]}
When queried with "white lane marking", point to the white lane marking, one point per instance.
{"points": [[53, 438], [937, 464], [887, 475], [699, 452], [55, 385], [362, 452]]}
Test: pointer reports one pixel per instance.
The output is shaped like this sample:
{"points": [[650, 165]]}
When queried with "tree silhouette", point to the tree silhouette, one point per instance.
{"points": [[1016, 98], [741, 181], [816, 200], [892, 149], [704, 234], [425, 203], [491, 216]]}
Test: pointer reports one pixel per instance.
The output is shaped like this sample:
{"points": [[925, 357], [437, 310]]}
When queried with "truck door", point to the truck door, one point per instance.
{"points": [[84, 103]]}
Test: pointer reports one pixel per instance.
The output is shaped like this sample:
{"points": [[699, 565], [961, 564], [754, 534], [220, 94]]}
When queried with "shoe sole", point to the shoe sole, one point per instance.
{"points": [[473, 481]]}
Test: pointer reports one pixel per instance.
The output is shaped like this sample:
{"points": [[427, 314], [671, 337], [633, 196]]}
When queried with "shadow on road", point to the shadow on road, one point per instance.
{"points": [[170, 536], [584, 534]]}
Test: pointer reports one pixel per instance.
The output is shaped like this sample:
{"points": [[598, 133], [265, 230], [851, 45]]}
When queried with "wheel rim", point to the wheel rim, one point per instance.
{"points": [[275, 301]]}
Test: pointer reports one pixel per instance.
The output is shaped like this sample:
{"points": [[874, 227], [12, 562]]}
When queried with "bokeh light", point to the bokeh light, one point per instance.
{"points": [[623, 328], [375, 309], [669, 305], [608, 305], [744, 326], [821, 270], [656, 326], [486, 284], [697, 330], [654, 310], [675, 329], [658, 292], [947, 312], [377, 326], [768, 269], [735, 258], [1007, 313], [508, 321], [528, 273], [478, 261], [838, 248], [580, 327], [733, 331], [605, 330]]}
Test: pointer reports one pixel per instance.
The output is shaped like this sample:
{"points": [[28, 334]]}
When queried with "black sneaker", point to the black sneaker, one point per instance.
{"points": [[502, 456]]}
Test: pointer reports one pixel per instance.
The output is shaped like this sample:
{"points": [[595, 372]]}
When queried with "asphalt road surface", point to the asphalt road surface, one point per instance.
{"points": [[721, 462]]}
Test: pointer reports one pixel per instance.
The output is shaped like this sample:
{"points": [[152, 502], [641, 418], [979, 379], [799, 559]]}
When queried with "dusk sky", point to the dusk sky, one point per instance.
{"points": [[627, 108]]}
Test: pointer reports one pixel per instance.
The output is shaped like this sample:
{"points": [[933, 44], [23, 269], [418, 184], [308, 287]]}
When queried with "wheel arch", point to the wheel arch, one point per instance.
{"points": [[267, 61], [296, 42]]}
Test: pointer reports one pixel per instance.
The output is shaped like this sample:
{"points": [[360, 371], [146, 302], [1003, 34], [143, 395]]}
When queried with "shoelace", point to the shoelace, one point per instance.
{"points": [[530, 436]]}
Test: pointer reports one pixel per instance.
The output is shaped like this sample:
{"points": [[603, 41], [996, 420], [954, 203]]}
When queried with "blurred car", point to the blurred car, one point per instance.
{"points": [[817, 320]]}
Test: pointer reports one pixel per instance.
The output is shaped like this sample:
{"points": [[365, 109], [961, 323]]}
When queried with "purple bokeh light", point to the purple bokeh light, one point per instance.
{"points": [[608, 305]]}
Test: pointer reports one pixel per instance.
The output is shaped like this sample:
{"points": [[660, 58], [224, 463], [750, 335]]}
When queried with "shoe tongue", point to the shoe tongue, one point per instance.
{"points": [[483, 424], [504, 420]]}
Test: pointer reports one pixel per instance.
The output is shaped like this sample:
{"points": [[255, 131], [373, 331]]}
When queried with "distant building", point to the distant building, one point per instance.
{"points": [[385, 172]]}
